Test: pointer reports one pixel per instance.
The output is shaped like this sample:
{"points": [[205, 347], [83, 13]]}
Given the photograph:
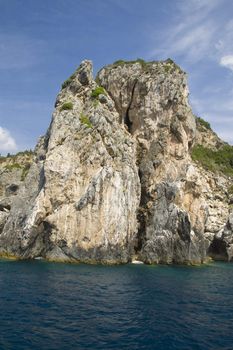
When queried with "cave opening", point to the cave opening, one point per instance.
{"points": [[218, 250], [127, 121]]}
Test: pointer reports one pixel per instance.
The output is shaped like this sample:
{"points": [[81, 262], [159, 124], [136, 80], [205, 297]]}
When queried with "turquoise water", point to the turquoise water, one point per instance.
{"points": [[62, 306]]}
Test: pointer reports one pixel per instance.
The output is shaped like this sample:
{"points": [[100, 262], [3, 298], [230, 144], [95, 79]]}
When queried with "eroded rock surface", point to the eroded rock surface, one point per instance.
{"points": [[113, 178], [84, 186], [13, 170]]}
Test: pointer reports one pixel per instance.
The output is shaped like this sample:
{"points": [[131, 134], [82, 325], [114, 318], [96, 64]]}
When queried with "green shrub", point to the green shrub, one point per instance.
{"points": [[170, 65], [170, 61], [230, 189], [142, 62], [18, 154], [167, 68], [13, 166], [220, 160], [67, 106], [138, 60], [26, 152], [98, 91], [68, 81], [119, 63], [202, 122], [85, 120]]}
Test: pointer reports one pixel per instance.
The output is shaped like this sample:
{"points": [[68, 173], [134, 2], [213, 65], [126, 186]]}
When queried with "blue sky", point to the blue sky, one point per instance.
{"points": [[43, 42]]}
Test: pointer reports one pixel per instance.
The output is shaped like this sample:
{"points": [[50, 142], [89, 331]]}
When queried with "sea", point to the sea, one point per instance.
{"points": [[74, 306]]}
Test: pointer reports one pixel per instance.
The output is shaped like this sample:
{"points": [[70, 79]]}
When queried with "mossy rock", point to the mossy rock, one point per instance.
{"points": [[142, 62], [169, 65], [13, 166], [85, 120], [98, 91], [67, 106]]}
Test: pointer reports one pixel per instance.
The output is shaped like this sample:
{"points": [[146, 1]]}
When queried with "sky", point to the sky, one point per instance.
{"points": [[43, 42]]}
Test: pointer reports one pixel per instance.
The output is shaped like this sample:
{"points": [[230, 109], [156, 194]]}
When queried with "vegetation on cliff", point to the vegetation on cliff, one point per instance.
{"points": [[19, 161], [202, 123], [98, 91], [168, 65], [68, 81], [217, 161], [85, 120], [67, 106]]}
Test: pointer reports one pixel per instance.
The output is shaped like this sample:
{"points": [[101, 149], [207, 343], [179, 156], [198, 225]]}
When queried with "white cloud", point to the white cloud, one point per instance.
{"points": [[194, 6], [195, 32], [193, 42], [7, 142], [227, 61], [200, 37]]}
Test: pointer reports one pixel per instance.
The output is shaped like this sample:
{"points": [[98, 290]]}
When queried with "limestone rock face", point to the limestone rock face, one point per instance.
{"points": [[13, 170], [113, 178], [182, 206], [221, 247], [85, 188], [206, 137]]}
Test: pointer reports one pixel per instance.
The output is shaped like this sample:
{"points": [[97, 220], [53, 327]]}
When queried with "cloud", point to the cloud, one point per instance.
{"points": [[7, 142], [195, 32], [193, 42], [199, 37], [202, 8], [227, 61]]}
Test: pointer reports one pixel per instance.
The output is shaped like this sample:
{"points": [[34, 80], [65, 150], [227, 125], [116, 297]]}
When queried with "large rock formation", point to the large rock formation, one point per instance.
{"points": [[113, 178]]}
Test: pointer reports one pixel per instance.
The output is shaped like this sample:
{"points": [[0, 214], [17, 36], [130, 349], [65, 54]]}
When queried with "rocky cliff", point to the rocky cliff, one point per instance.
{"points": [[119, 175]]}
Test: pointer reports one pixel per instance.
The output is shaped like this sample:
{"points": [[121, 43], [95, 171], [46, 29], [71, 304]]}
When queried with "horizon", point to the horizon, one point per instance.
{"points": [[41, 44]]}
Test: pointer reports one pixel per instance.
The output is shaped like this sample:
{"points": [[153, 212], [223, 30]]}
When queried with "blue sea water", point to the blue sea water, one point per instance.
{"points": [[63, 306]]}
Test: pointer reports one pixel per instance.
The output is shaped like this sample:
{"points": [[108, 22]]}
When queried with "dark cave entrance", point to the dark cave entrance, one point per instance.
{"points": [[126, 119]]}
